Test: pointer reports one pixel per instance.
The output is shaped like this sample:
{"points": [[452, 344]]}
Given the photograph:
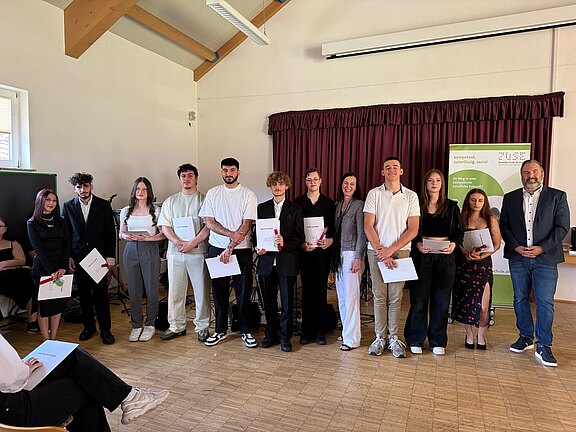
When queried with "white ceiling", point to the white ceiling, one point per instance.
{"points": [[191, 17]]}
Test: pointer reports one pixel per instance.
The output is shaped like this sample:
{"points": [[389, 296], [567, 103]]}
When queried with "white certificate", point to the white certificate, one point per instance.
{"points": [[95, 265], [184, 227], [218, 269], [479, 239], [266, 232], [404, 272], [50, 289], [313, 229], [435, 246], [50, 353]]}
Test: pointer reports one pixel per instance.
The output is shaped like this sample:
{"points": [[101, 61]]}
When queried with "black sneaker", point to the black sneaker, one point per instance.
{"points": [[522, 344], [544, 354], [32, 327]]}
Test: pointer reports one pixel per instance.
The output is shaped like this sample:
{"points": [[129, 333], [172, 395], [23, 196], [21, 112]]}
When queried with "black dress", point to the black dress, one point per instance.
{"points": [[52, 250], [15, 283], [471, 278]]}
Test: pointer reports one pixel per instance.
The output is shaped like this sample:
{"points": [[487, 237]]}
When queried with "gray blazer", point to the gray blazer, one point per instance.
{"points": [[551, 223], [352, 237]]}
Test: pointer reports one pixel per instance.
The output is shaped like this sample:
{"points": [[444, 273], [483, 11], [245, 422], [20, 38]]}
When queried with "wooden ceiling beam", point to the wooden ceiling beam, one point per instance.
{"points": [[151, 21], [86, 20], [239, 37]]}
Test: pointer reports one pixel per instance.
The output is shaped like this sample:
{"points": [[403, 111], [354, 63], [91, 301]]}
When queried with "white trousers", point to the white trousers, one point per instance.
{"points": [[180, 268], [348, 290]]}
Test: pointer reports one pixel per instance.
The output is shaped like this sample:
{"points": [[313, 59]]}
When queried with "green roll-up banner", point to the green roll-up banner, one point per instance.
{"points": [[495, 168]]}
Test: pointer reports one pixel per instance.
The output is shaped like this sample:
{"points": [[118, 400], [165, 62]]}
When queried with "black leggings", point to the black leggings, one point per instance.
{"points": [[80, 386]]}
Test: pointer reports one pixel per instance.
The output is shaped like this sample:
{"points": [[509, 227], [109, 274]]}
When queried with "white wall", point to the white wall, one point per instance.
{"points": [[118, 112], [238, 95]]}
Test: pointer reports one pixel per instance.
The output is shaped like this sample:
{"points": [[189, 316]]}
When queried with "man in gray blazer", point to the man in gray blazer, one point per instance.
{"points": [[534, 221]]}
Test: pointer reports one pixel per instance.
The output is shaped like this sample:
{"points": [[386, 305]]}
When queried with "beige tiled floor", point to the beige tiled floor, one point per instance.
{"points": [[319, 388]]}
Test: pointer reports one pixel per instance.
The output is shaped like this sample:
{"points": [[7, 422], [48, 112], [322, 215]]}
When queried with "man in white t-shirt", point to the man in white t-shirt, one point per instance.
{"points": [[391, 219], [229, 211], [186, 255]]}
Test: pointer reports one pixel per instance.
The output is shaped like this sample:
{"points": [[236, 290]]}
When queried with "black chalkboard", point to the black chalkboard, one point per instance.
{"points": [[17, 193]]}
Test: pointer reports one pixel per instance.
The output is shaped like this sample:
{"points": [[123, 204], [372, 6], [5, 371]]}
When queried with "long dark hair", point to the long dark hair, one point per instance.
{"points": [[442, 205], [485, 213], [149, 199], [39, 205], [357, 195]]}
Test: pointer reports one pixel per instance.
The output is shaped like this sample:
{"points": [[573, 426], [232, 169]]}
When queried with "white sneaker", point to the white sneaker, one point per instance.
{"points": [[397, 347], [439, 350], [143, 401], [135, 335], [377, 347], [249, 340], [416, 350], [147, 333]]}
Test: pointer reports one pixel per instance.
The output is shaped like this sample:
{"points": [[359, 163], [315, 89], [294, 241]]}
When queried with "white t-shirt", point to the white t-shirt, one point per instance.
{"points": [[230, 207], [13, 372], [392, 212], [180, 205], [139, 223]]}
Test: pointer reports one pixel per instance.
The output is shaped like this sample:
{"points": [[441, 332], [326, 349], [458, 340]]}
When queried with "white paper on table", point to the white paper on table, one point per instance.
{"points": [[49, 289], [95, 265], [50, 353], [184, 227], [266, 231], [313, 229], [435, 246], [404, 272], [479, 238], [218, 269]]}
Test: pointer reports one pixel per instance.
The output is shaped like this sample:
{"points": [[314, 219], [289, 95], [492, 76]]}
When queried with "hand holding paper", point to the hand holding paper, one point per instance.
{"points": [[404, 271], [95, 265]]}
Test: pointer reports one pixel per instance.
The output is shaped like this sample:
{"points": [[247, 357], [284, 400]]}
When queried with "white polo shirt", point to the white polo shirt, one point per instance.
{"points": [[229, 207], [392, 212]]}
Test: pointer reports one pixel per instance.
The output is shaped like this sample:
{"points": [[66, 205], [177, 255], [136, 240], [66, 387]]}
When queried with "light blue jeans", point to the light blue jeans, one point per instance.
{"points": [[527, 273]]}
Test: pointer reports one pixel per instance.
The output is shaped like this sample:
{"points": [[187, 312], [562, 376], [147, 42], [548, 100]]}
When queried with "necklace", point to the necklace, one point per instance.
{"points": [[49, 221]]}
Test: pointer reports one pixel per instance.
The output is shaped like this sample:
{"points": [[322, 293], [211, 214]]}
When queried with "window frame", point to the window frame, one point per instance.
{"points": [[19, 145]]}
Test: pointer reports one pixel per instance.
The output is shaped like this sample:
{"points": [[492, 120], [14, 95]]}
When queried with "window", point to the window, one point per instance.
{"points": [[14, 141]]}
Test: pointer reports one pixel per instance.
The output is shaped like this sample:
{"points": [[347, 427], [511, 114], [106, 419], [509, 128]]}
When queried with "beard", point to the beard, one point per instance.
{"points": [[532, 184], [230, 179]]}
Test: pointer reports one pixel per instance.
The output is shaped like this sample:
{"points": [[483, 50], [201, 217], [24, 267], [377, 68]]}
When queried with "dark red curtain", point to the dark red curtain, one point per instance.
{"points": [[359, 139]]}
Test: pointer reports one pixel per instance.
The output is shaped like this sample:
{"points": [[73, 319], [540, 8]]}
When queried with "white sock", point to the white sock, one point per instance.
{"points": [[130, 395]]}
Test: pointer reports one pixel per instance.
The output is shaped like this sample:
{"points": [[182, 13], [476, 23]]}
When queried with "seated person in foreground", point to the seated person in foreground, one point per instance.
{"points": [[79, 387]]}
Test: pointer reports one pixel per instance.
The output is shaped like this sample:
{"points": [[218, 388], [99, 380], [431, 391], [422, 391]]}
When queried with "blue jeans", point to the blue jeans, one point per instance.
{"points": [[527, 273]]}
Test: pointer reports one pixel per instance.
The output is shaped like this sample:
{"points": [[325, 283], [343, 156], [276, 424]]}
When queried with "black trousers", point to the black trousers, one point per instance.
{"points": [[278, 328], [93, 296], [431, 293], [242, 284], [80, 386], [314, 270]]}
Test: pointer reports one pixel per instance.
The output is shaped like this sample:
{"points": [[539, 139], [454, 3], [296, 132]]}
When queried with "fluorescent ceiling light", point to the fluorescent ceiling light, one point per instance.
{"points": [[239, 21]]}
